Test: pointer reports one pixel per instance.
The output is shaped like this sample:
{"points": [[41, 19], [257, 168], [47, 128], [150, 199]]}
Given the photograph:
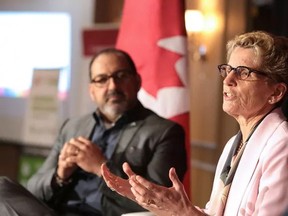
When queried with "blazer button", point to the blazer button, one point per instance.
{"points": [[132, 148]]}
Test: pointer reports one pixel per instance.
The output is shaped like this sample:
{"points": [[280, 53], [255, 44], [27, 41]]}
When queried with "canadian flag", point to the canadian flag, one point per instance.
{"points": [[153, 33]]}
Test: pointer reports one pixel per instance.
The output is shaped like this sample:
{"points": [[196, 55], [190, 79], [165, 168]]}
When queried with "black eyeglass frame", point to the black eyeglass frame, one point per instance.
{"points": [[117, 76], [238, 72]]}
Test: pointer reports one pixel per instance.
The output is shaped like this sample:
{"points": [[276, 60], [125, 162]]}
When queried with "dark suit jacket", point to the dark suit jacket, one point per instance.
{"points": [[150, 144]]}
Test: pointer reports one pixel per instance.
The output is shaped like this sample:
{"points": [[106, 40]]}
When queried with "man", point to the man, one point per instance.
{"points": [[119, 130]]}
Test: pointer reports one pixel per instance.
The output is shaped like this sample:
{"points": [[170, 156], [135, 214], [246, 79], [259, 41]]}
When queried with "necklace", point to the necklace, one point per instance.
{"points": [[241, 144], [239, 147]]}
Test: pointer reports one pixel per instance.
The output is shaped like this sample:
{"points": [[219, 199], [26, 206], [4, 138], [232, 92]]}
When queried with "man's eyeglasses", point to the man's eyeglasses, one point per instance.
{"points": [[118, 77], [242, 72]]}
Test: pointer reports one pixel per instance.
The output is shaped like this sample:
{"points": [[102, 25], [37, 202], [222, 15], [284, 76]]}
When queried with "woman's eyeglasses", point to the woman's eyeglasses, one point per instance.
{"points": [[242, 72]]}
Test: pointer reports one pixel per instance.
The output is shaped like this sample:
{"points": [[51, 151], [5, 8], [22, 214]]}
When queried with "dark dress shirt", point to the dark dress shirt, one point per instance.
{"points": [[87, 189]]}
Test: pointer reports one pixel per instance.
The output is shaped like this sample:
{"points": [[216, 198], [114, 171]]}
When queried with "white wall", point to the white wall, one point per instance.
{"points": [[12, 110]]}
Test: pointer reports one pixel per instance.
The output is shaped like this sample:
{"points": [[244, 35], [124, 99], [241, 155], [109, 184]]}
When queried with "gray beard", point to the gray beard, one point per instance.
{"points": [[114, 111]]}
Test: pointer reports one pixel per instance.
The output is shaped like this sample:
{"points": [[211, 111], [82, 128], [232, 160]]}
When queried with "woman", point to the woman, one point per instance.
{"points": [[252, 173]]}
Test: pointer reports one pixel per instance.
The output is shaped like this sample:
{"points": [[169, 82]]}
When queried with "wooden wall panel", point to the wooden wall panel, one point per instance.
{"points": [[108, 11], [9, 160], [210, 126]]}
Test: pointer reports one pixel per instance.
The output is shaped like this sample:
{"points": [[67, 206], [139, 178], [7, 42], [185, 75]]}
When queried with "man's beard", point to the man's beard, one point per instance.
{"points": [[117, 107]]}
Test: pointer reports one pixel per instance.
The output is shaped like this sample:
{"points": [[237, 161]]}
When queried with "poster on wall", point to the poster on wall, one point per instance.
{"points": [[42, 113]]}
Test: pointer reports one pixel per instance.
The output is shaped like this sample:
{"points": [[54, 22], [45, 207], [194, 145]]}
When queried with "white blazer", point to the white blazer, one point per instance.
{"points": [[260, 184]]}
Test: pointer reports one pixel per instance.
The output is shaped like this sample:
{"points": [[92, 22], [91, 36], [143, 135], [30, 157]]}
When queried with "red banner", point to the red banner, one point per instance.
{"points": [[153, 33], [97, 38]]}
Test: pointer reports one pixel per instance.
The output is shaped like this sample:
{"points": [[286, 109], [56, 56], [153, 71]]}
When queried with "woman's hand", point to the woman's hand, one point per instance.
{"points": [[160, 200], [116, 183]]}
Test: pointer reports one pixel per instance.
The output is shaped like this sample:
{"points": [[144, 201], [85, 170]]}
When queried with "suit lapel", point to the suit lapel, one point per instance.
{"points": [[127, 135], [87, 131]]}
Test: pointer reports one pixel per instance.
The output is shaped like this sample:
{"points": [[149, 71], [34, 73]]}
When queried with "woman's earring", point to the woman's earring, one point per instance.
{"points": [[271, 101]]}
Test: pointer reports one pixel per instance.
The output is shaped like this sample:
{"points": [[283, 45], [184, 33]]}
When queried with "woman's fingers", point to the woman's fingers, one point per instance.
{"points": [[177, 184], [127, 169], [109, 177]]}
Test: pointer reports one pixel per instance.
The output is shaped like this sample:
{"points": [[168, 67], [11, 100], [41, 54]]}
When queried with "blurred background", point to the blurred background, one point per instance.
{"points": [[61, 36]]}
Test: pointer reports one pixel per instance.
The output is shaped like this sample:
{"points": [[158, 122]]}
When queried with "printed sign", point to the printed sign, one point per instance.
{"points": [[41, 120]]}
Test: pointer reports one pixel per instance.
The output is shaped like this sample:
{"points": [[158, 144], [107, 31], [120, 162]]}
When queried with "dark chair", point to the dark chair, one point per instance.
{"points": [[15, 200]]}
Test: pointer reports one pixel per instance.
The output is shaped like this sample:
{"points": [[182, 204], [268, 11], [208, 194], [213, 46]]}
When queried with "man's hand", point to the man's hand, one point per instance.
{"points": [[88, 157], [66, 168]]}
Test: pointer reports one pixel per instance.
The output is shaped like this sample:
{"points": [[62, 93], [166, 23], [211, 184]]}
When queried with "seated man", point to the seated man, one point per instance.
{"points": [[119, 130]]}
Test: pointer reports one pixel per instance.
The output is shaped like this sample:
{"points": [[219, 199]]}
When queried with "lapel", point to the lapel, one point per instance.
{"points": [[127, 135], [250, 158], [87, 129], [138, 116]]}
